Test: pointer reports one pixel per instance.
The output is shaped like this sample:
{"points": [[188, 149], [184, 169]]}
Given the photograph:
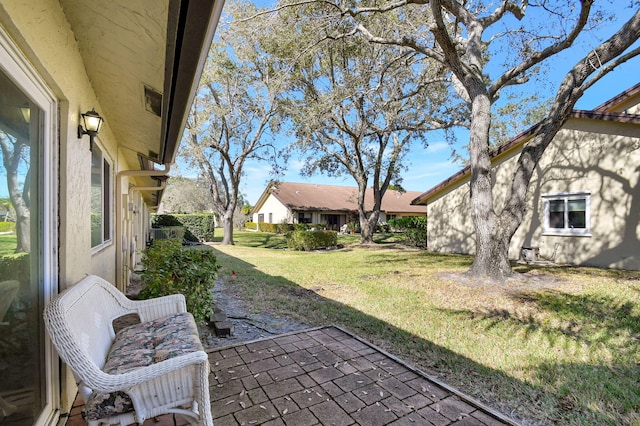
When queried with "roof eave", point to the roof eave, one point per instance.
{"points": [[190, 30], [517, 142]]}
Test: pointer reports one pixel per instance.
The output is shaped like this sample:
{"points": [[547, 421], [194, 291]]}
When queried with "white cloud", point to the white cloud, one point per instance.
{"points": [[437, 147]]}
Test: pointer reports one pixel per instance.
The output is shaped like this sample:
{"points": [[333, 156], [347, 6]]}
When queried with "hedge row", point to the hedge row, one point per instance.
{"points": [[7, 226], [198, 227], [311, 240], [170, 269], [414, 229], [282, 228]]}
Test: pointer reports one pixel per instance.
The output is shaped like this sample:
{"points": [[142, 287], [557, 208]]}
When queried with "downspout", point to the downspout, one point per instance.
{"points": [[121, 272]]}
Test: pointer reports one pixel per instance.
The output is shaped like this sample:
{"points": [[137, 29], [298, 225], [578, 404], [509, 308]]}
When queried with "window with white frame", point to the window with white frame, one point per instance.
{"points": [[100, 198], [567, 213]]}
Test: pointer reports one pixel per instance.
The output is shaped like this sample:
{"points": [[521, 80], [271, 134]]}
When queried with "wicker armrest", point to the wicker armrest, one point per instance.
{"points": [[159, 307]]}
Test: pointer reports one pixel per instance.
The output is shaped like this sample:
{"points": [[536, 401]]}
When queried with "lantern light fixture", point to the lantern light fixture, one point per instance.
{"points": [[25, 110], [92, 123]]}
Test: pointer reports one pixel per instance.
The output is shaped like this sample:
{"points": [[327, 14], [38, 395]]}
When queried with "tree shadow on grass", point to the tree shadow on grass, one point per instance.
{"points": [[550, 400], [258, 239], [604, 389]]}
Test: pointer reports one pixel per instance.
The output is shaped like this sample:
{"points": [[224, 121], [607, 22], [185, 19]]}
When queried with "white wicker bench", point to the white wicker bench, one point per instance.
{"points": [[155, 367]]}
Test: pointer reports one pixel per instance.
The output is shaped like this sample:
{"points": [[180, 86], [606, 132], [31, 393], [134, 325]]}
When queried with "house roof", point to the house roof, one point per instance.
{"points": [[144, 60], [314, 197], [611, 110]]}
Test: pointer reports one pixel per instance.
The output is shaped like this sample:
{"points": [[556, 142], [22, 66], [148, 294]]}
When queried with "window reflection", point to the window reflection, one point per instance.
{"points": [[21, 333]]}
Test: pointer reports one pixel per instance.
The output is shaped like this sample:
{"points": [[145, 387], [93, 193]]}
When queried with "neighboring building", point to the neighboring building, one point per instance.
{"points": [[84, 208], [288, 202], [584, 197]]}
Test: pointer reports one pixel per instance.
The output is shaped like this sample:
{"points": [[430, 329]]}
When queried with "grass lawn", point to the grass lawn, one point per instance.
{"points": [[559, 348], [8, 243]]}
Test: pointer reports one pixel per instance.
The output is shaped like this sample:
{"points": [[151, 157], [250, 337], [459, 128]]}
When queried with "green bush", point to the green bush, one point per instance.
{"points": [[171, 269], [250, 226], [7, 226], [267, 227], [15, 267], [301, 226], [284, 228], [198, 227], [311, 240], [354, 226], [414, 229]]}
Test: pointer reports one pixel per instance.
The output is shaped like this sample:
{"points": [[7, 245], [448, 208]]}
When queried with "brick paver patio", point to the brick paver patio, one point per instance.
{"points": [[325, 376]]}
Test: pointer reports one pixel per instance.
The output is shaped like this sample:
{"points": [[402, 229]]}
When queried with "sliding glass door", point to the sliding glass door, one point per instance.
{"points": [[28, 237]]}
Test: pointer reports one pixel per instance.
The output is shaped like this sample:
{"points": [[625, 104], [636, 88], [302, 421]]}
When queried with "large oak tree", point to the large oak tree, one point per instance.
{"points": [[487, 47], [355, 107], [231, 118]]}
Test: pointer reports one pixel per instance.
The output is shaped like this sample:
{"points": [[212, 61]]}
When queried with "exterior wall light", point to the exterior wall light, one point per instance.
{"points": [[92, 122], [25, 109]]}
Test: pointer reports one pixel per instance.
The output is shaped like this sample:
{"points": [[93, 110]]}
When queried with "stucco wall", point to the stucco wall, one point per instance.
{"points": [[279, 212], [587, 155], [40, 31], [46, 39]]}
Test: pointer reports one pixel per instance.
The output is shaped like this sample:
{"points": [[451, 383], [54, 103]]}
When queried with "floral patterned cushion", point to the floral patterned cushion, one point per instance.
{"points": [[137, 346]]}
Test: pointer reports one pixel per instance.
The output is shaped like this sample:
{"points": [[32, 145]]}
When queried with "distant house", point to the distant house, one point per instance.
{"points": [[288, 202], [583, 200]]}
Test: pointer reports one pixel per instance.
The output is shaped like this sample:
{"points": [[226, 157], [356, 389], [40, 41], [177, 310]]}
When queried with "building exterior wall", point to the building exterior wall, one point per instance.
{"points": [[41, 33], [274, 209], [587, 156]]}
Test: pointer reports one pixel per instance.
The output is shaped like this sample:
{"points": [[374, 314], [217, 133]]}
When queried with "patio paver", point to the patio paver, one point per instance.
{"points": [[325, 376]]}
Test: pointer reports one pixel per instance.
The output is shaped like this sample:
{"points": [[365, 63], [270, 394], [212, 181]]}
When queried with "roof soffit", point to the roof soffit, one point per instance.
{"points": [[129, 45]]}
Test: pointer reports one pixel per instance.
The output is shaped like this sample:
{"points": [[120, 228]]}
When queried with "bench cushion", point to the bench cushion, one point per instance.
{"points": [[140, 345]]}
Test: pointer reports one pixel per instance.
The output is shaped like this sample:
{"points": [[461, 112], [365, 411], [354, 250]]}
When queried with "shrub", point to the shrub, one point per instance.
{"points": [[354, 226], [15, 267], [383, 227], [170, 269], [267, 227], [311, 240], [301, 226], [284, 228], [7, 226], [414, 229], [198, 227], [250, 226]]}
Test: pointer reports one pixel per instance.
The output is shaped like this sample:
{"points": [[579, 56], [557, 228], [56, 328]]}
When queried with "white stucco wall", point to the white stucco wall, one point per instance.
{"points": [[599, 157], [279, 212], [45, 38]]}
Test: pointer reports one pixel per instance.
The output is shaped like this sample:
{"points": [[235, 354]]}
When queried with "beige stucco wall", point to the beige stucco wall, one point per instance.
{"points": [[587, 155], [40, 31], [45, 38]]}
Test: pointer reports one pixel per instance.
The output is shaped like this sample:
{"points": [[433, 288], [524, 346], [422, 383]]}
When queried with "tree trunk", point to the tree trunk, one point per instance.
{"points": [[492, 245], [368, 227], [23, 215], [227, 228]]}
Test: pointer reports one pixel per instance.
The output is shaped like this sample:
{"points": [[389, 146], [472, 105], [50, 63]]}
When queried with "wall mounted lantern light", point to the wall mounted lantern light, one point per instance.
{"points": [[25, 109], [92, 122]]}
